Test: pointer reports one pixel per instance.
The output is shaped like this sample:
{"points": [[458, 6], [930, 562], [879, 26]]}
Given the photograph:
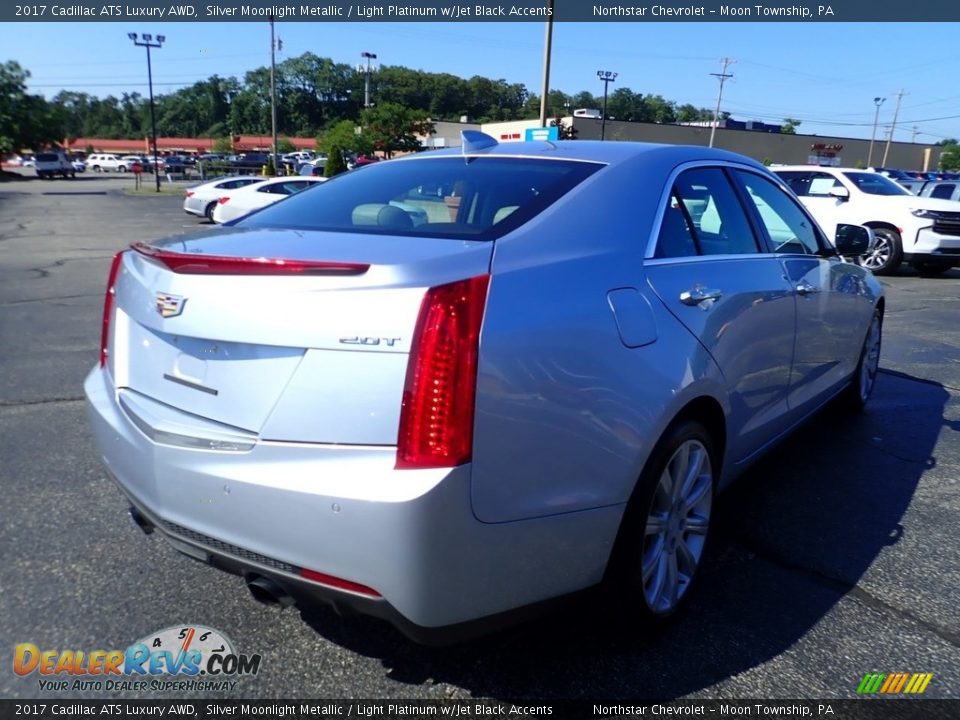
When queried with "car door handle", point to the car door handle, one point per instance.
{"points": [[697, 295], [805, 288]]}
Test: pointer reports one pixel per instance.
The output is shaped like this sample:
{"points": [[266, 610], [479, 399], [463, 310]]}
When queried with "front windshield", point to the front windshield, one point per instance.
{"points": [[874, 183]]}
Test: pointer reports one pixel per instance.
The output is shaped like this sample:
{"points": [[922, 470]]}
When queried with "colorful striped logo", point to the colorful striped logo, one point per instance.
{"points": [[894, 683]]}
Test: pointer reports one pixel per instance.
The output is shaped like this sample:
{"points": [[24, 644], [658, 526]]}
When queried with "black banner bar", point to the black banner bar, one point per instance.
{"points": [[485, 11], [861, 709]]}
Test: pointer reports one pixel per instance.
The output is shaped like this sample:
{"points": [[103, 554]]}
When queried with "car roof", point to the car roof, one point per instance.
{"points": [[609, 153], [807, 168]]}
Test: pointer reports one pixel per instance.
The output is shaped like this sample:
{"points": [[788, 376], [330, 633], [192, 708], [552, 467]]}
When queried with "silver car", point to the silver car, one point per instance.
{"points": [[439, 423]]}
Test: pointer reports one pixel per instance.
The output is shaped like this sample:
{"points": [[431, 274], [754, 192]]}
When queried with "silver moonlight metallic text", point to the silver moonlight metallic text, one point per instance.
{"points": [[449, 386]]}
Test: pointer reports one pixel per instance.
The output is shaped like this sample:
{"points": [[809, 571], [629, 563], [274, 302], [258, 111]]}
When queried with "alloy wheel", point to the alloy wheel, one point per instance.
{"points": [[676, 527]]}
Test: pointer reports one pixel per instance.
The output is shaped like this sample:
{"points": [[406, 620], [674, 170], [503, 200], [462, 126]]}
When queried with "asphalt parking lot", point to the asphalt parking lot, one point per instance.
{"points": [[836, 556]]}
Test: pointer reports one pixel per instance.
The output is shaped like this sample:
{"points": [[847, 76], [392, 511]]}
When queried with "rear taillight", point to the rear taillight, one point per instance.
{"points": [[108, 303], [223, 200], [190, 193], [436, 419]]}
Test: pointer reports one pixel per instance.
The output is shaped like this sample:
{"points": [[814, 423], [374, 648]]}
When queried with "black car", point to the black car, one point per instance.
{"points": [[251, 161]]}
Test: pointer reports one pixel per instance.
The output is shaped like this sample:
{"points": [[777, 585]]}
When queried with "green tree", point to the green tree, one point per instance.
{"points": [[790, 126], [285, 146], [26, 121], [223, 146], [395, 128], [335, 163], [345, 137], [950, 155]]}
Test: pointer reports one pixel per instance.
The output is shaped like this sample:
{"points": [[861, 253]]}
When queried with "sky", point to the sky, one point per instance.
{"points": [[824, 74]]}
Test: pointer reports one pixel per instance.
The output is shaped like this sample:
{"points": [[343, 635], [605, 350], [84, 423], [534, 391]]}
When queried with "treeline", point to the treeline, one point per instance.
{"points": [[313, 94]]}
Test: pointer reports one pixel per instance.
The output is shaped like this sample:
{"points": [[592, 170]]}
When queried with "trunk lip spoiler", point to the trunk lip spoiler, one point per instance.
{"points": [[199, 264]]}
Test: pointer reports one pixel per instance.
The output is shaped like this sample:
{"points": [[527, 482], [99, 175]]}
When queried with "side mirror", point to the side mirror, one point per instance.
{"points": [[854, 240], [839, 192]]}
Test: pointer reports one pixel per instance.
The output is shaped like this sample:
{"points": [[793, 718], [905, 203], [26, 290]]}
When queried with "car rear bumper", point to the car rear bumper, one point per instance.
{"points": [[344, 511]]}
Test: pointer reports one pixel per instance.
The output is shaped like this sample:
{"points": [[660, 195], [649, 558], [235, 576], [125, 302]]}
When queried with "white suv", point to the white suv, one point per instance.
{"points": [[100, 162], [922, 231]]}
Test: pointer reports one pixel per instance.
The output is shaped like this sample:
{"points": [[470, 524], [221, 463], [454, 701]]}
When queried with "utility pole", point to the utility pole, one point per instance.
{"points": [[893, 126], [366, 82], [722, 76], [545, 89], [273, 97], [916, 131], [878, 101]]}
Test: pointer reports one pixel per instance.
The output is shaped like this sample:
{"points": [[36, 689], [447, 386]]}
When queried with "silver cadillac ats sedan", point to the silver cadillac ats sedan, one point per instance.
{"points": [[448, 387]]}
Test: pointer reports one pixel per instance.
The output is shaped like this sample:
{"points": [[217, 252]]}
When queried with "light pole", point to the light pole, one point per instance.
{"points": [[273, 97], [146, 40], [368, 56], [878, 101], [606, 77]]}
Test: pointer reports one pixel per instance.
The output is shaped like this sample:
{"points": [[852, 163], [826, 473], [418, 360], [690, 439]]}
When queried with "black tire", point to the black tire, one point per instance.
{"points": [[887, 253], [96, 168], [121, 168], [855, 396], [208, 210], [635, 597], [932, 268]]}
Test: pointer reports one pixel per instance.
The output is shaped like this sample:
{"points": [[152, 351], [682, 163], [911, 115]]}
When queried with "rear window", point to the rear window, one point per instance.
{"points": [[447, 197], [47, 157]]}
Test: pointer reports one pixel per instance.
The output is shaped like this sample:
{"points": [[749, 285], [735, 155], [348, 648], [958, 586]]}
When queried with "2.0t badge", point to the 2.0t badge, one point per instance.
{"points": [[169, 305]]}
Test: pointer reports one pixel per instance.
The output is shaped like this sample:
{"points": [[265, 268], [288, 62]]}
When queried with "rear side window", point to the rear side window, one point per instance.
{"points": [[448, 197], [944, 192], [47, 157], [704, 217]]}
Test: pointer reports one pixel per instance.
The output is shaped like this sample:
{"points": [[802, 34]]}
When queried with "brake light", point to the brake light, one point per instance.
{"points": [[223, 200], [436, 418], [108, 303], [339, 583], [193, 264], [190, 193]]}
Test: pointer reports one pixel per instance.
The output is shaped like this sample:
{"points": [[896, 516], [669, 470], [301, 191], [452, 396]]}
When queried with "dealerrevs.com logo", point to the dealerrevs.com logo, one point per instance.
{"points": [[179, 658]]}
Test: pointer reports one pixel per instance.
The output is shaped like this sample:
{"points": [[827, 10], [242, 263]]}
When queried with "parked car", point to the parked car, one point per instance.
{"points": [[201, 200], [922, 231], [541, 388], [242, 201], [146, 165], [250, 161], [313, 168], [941, 189], [79, 165], [51, 163], [173, 163], [107, 162]]}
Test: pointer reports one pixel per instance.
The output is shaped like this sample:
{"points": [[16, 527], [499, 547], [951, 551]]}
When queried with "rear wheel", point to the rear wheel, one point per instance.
{"points": [[121, 168], [887, 253], [665, 528], [208, 211]]}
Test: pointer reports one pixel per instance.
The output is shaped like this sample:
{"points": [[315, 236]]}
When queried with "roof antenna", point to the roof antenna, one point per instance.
{"points": [[472, 141]]}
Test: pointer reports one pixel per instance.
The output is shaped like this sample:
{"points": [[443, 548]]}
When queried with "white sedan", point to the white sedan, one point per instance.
{"points": [[200, 200], [238, 203]]}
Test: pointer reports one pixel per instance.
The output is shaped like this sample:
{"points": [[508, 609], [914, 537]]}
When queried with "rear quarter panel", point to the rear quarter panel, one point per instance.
{"points": [[567, 413]]}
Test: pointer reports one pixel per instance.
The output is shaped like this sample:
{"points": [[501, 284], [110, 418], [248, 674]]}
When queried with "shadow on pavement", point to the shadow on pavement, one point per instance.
{"points": [[794, 535]]}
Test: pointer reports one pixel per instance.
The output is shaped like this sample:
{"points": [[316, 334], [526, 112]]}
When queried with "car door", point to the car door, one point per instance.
{"points": [[709, 268], [830, 307]]}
